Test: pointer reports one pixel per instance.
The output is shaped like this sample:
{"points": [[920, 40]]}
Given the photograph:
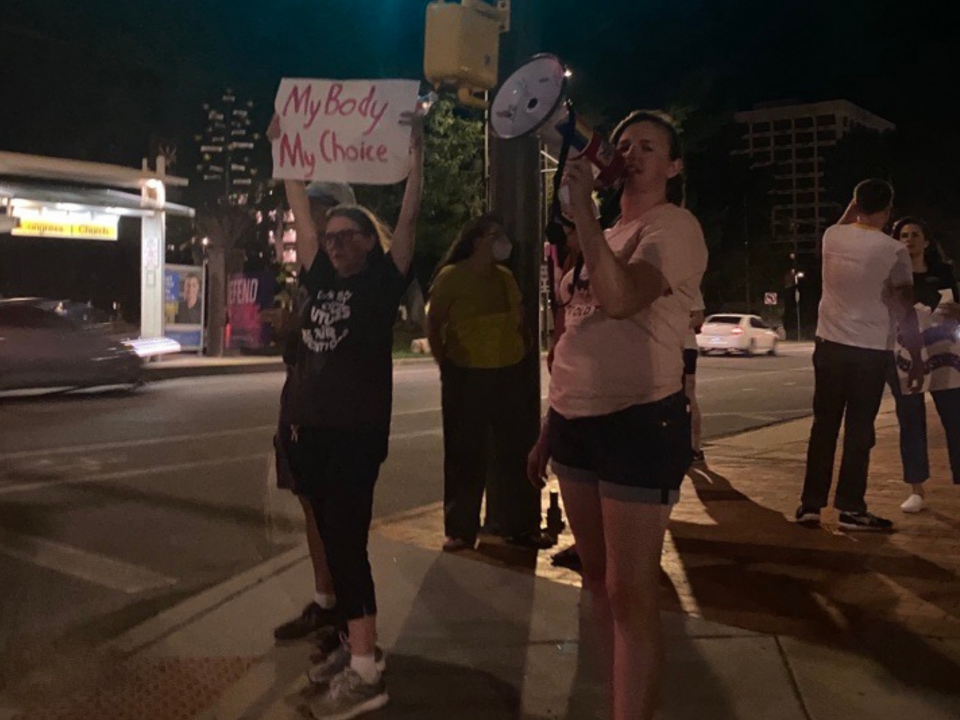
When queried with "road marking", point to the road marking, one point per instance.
{"points": [[702, 380], [127, 474], [193, 437], [91, 567]]}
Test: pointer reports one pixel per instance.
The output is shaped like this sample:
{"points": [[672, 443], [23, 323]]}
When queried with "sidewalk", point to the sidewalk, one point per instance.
{"points": [[766, 620]]}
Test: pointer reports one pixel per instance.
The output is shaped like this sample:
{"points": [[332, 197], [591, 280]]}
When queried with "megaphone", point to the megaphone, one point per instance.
{"points": [[533, 100]]}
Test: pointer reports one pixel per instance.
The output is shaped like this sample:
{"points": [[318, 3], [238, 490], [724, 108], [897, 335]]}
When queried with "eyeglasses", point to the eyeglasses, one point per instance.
{"points": [[341, 237]]}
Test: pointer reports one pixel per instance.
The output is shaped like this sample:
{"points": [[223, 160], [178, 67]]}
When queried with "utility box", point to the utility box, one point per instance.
{"points": [[462, 45]]}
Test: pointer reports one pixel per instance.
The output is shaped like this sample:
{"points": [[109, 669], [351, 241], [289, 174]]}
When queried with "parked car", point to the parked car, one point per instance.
{"points": [[46, 344], [730, 332]]}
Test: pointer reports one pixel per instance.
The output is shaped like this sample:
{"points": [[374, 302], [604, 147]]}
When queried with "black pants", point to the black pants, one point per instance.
{"points": [[848, 388], [486, 419], [912, 415], [336, 470]]}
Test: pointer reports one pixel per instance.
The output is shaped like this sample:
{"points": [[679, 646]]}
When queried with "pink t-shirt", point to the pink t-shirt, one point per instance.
{"points": [[602, 365]]}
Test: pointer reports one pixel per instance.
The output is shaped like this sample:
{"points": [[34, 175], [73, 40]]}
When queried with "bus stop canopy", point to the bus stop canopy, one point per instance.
{"points": [[45, 186], [81, 199]]}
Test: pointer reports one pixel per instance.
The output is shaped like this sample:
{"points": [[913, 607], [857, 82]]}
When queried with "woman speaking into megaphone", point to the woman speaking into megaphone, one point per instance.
{"points": [[618, 429]]}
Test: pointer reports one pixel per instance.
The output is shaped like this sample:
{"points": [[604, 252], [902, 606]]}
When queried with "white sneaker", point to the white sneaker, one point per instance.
{"points": [[912, 504]]}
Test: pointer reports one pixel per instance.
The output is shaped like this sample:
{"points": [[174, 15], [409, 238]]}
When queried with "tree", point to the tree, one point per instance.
{"points": [[453, 182]]}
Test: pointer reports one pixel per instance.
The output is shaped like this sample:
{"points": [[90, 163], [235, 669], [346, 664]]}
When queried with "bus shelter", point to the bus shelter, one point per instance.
{"points": [[74, 199]]}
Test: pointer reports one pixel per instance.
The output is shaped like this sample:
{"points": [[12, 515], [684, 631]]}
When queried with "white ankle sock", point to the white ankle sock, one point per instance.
{"points": [[366, 667], [327, 601]]}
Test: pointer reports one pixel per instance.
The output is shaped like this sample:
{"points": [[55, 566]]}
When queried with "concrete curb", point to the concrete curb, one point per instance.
{"points": [[157, 372], [186, 612]]}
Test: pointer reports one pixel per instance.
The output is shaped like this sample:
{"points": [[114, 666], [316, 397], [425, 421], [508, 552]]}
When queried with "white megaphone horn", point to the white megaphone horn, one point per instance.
{"points": [[533, 100]]}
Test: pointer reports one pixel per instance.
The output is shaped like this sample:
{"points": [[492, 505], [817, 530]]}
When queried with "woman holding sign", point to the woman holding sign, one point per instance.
{"points": [[335, 411], [618, 428]]}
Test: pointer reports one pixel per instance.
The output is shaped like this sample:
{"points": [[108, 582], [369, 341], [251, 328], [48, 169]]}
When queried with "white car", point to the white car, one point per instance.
{"points": [[730, 332]]}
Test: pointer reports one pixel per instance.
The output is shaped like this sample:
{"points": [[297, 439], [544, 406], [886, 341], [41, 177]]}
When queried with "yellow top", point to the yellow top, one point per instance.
{"points": [[483, 316]]}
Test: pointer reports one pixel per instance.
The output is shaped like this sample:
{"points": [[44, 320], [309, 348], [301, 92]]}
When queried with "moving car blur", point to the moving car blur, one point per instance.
{"points": [[61, 344]]}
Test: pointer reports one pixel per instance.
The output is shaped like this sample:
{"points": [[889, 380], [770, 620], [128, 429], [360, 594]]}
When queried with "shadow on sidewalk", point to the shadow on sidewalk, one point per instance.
{"points": [[836, 593]]}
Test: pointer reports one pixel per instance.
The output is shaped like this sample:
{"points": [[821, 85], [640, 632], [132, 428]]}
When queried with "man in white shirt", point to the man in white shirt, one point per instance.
{"points": [[867, 294]]}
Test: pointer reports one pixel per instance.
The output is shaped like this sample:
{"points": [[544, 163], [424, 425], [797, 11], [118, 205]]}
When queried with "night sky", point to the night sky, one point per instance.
{"points": [[99, 78]]}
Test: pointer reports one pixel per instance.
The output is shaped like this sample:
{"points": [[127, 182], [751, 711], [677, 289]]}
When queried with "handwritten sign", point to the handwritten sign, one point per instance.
{"points": [[343, 130]]}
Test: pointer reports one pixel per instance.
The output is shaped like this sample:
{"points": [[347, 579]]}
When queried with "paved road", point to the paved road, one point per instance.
{"points": [[115, 506]]}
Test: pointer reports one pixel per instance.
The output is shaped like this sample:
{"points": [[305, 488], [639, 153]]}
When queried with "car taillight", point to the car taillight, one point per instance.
{"points": [[737, 331]]}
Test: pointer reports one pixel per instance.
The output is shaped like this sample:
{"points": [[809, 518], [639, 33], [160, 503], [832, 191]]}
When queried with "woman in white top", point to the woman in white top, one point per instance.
{"points": [[618, 429]]}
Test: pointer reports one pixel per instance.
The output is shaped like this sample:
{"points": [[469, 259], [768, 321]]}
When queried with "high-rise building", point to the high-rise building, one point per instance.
{"points": [[791, 138]]}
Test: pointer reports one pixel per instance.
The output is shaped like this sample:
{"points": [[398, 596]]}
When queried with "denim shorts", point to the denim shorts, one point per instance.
{"points": [[638, 454]]}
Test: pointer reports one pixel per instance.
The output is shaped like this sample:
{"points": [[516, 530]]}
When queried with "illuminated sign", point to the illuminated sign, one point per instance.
{"points": [[71, 225]]}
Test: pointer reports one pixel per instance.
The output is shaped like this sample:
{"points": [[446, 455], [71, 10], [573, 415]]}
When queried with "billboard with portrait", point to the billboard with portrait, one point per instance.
{"points": [[183, 305]]}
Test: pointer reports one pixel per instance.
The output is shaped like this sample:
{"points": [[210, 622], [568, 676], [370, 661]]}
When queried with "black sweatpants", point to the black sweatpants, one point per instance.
{"points": [[487, 433], [336, 470]]}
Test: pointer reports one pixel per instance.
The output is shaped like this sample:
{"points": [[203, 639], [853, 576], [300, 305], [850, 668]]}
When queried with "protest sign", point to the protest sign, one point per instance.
{"points": [[343, 130]]}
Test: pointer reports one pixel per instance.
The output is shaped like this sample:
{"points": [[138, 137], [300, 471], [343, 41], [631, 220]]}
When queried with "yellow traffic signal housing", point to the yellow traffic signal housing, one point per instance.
{"points": [[462, 46]]}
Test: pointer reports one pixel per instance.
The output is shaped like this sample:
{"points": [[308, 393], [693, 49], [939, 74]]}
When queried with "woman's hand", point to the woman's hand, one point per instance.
{"points": [[949, 310], [273, 130], [537, 461], [415, 120], [578, 179]]}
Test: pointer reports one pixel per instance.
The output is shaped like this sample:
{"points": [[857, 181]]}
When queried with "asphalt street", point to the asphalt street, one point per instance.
{"points": [[115, 506]]}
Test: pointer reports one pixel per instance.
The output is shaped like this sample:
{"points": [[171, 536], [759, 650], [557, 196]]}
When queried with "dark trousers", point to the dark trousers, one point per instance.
{"points": [[336, 471], [487, 433], [912, 414], [848, 387]]}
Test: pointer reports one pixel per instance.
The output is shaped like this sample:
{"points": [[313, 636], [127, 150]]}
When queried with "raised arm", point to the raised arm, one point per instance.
{"points": [[909, 327], [308, 242], [621, 289], [404, 235]]}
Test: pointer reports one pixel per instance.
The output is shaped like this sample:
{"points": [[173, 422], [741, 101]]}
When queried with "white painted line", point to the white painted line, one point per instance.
{"points": [[127, 474], [193, 437], [416, 434], [702, 380], [91, 567]]}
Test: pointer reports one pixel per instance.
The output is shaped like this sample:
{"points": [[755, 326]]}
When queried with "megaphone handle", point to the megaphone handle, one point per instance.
{"points": [[560, 193]]}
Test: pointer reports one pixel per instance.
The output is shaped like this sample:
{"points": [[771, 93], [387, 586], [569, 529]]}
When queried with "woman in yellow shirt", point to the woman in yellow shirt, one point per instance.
{"points": [[477, 338]]}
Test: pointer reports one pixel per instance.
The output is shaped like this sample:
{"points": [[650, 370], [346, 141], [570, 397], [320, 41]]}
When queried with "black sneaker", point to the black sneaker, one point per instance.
{"points": [[309, 621], [864, 521], [534, 540], [807, 515], [699, 458], [568, 558]]}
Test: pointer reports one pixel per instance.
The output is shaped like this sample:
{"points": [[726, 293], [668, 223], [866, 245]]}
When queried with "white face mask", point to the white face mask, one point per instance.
{"points": [[502, 247]]}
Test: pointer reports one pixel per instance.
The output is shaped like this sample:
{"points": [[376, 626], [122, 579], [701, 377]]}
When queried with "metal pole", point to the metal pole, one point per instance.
{"points": [[796, 299], [515, 197], [746, 248]]}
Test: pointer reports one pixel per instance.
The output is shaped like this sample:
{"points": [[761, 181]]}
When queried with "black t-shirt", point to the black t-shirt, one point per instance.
{"points": [[927, 285], [342, 373]]}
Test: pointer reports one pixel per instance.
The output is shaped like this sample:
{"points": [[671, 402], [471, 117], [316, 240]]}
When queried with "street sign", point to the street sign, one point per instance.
{"points": [[769, 298]]}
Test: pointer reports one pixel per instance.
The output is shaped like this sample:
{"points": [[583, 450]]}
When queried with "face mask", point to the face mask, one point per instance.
{"points": [[502, 247]]}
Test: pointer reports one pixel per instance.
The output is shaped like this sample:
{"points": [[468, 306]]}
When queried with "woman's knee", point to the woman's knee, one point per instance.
{"points": [[633, 602]]}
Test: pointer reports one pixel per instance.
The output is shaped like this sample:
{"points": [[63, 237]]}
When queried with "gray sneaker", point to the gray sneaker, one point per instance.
{"points": [[348, 697], [334, 662]]}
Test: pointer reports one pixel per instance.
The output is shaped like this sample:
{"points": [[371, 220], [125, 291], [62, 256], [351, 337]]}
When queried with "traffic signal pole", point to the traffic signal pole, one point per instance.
{"points": [[514, 194]]}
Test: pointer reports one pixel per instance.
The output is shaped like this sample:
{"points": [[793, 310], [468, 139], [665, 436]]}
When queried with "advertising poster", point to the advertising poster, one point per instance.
{"points": [[183, 311], [248, 295]]}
